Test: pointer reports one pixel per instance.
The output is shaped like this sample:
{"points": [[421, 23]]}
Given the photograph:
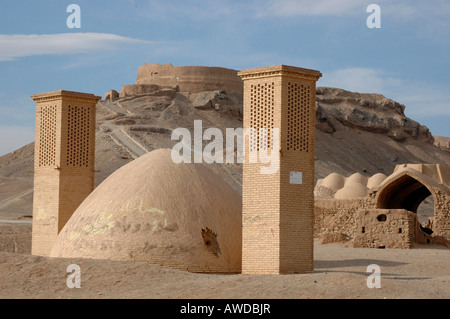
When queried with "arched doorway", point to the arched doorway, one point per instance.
{"points": [[407, 192], [411, 185]]}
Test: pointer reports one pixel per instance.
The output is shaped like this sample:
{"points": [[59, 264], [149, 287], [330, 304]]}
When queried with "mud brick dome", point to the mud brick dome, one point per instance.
{"points": [[191, 79], [153, 210]]}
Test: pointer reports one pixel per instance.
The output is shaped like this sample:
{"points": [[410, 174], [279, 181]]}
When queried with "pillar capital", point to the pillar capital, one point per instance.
{"points": [[280, 70], [59, 94]]}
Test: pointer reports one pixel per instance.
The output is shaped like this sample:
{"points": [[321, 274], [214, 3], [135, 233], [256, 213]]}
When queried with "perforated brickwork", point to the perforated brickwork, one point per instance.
{"points": [[299, 115], [64, 162], [47, 135], [78, 136], [261, 114]]}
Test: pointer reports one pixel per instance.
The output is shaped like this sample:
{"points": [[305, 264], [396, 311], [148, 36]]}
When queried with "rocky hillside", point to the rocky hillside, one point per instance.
{"points": [[367, 112], [369, 133], [442, 142], [366, 133]]}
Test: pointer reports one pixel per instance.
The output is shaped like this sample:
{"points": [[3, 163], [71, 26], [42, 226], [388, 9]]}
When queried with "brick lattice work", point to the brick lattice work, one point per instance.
{"points": [[278, 210], [64, 162], [78, 136], [46, 117], [299, 112], [261, 114]]}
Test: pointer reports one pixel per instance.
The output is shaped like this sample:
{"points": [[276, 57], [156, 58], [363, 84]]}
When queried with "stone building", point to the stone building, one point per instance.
{"points": [[111, 95], [63, 161], [192, 79], [278, 208], [381, 211]]}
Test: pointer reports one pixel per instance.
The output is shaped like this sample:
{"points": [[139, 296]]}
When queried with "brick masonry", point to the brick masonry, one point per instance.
{"points": [[63, 163], [278, 216]]}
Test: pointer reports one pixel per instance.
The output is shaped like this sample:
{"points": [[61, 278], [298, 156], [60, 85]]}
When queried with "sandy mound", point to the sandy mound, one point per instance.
{"points": [[333, 181], [376, 180]]}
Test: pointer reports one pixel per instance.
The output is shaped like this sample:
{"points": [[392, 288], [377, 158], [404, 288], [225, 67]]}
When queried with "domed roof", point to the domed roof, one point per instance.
{"points": [[356, 178], [333, 181], [376, 180], [352, 191], [177, 215]]}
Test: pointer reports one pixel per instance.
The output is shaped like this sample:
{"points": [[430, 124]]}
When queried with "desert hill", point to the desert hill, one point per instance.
{"points": [[366, 133]]}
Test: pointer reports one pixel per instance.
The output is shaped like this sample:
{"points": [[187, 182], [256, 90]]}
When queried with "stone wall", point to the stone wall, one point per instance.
{"points": [[111, 95], [385, 228], [338, 215], [191, 79], [441, 221], [136, 89]]}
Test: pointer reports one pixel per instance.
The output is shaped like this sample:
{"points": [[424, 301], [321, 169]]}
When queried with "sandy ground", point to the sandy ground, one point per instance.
{"points": [[422, 272]]}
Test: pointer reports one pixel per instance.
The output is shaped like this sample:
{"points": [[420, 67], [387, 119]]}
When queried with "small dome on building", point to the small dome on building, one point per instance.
{"points": [[333, 181], [352, 191], [153, 210], [356, 178], [376, 180]]}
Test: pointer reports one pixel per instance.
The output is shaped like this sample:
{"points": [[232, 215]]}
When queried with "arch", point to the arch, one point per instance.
{"points": [[405, 191]]}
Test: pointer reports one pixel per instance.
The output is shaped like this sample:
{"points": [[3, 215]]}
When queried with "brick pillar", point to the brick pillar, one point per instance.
{"points": [[63, 162], [278, 208]]}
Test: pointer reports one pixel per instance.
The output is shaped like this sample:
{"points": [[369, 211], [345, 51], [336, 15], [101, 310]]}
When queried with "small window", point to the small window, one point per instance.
{"points": [[400, 230], [363, 230], [381, 218]]}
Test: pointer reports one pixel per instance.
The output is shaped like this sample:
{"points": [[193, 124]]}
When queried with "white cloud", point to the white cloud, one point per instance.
{"points": [[14, 137], [22, 45], [421, 99]]}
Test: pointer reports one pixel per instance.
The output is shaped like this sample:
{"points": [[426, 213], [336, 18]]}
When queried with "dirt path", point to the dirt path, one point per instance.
{"points": [[5, 203], [121, 138]]}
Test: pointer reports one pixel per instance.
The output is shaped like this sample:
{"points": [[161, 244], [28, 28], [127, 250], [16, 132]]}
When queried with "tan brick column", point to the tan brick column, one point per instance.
{"points": [[278, 208], [63, 162]]}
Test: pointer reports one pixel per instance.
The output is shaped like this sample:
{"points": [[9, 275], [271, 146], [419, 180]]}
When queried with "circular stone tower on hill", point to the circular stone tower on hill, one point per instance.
{"points": [[191, 79]]}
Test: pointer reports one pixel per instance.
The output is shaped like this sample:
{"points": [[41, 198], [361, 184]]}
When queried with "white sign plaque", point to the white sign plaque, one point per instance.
{"points": [[296, 178]]}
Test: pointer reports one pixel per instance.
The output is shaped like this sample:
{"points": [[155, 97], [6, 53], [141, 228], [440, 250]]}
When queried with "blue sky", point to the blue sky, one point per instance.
{"points": [[407, 59]]}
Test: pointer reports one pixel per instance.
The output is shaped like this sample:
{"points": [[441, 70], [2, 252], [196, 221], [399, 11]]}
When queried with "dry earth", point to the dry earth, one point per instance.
{"points": [[339, 272]]}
